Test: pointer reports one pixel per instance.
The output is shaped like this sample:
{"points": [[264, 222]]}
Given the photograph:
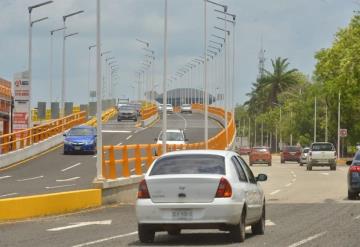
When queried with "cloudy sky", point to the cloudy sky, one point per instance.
{"points": [[295, 29]]}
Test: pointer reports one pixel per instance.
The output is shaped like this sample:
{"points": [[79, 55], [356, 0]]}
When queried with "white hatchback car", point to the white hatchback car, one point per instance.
{"points": [[200, 189], [173, 136]]}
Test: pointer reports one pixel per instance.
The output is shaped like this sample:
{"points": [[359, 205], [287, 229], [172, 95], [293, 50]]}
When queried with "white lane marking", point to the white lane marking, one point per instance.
{"points": [[294, 175], [80, 224], [288, 185], [11, 194], [183, 119], [68, 179], [27, 179], [67, 168], [325, 173], [275, 192], [119, 144], [116, 131], [293, 180], [136, 131], [292, 172], [3, 177], [106, 239], [59, 186], [357, 217], [94, 156], [127, 138], [307, 239]]}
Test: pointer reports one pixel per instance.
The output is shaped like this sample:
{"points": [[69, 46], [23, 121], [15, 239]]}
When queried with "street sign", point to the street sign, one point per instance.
{"points": [[343, 132]]}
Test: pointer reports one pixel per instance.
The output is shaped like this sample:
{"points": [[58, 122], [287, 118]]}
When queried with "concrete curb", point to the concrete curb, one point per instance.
{"points": [[149, 121], [48, 204]]}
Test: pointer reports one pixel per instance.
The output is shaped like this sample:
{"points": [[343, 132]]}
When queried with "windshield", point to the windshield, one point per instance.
{"points": [[306, 150], [291, 149], [81, 132], [260, 149], [169, 105], [173, 136], [127, 108], [322, 147], [189, 164], [186, 105]]}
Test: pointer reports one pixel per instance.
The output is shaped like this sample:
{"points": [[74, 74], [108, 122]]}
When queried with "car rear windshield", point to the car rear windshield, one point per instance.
{"points": [[127, 108], [81, 132], [173, 136], [261, 149], [306, 150], [292, 149], [189, 164], [322, 147]]}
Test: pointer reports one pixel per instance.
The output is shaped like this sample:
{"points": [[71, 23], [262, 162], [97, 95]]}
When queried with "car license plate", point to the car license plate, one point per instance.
{"points": [[77, 148], [355, 174], [182, 214]]}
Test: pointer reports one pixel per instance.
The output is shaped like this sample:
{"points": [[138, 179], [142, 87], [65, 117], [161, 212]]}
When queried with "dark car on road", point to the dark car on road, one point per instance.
{"points": [[80, 139], [127, 112], [290, 153], [353, 177]]}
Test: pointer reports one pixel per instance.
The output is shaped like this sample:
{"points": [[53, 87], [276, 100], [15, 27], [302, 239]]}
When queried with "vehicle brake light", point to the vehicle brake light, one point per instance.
{"points": [[354, 168], [224, 188], [143, 192]]}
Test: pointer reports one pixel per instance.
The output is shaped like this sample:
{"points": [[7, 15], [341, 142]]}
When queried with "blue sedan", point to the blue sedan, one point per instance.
{"points": [[80, 139]]}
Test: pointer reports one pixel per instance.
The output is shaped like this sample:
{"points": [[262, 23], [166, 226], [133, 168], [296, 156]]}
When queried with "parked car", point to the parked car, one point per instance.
{"points": [[244, 150], [127, 112], [321, 154], [185, 108], [353, 177], [290, 153], [200, 189], [260, 155], [80, 139], [169, 108], [173, 136], [304, 155]]}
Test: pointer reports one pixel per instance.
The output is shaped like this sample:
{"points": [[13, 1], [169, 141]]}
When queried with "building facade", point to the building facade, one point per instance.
{"points": [[5, 106]]}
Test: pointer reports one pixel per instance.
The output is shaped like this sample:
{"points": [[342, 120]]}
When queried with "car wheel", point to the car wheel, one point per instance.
{"points": [[259, 227], [146, 234], [309, 167], [333, 168], [238, 232], [250, 164], [174, 232], [351, 195], [301, 164], [66, 152], [269, 164], [282, 161]]}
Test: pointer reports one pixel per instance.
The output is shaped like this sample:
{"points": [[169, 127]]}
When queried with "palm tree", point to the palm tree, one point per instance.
{"points": [[279, 80]]}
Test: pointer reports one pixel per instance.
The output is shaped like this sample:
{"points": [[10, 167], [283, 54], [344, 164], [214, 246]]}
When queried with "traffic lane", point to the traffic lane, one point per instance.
{"points": [[319, 224]]}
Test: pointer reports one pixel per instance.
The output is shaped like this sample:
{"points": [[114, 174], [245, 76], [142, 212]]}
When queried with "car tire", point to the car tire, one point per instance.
{"points": [[333, 168], [146, 234], [301, 164], [259, 227], [282, 161], [237, 232], [351, 195], [65, 152], [250, 164], [174, 232], [309, 167], [269, 164]]}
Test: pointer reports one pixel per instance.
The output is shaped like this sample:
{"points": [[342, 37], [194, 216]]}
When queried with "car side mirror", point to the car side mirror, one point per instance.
{"points": [[261, 178], [349, 162], [64, 134]]}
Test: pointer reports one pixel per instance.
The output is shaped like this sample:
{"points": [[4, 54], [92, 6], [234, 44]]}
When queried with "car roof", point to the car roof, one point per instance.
{"points": [[223, 153]]}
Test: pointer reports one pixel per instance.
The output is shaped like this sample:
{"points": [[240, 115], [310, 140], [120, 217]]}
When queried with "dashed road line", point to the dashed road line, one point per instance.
{"points": [[68, 179], [106, 239], [275, 192], [127, 138], [3, 177], [116, 131], [10, 194], [59, 186], [325, 173], [68, 168], [357, 217], [119, 144], [288, 185], [304, 241], [27, 179], [293, 180], [183, 119], [94, 156]]}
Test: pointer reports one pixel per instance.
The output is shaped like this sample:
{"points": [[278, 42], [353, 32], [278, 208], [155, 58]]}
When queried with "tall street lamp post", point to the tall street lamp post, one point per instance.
{"points": [[31, 23], [164, 127], [89, 69]]}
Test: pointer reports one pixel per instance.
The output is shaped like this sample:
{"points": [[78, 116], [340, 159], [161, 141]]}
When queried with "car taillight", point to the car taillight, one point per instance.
{"points": [[143, 192], [354, 168], [224, 188]]}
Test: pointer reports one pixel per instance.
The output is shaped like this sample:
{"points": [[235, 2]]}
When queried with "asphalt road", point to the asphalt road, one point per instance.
{"points": [[55, 172], [304, 208]]}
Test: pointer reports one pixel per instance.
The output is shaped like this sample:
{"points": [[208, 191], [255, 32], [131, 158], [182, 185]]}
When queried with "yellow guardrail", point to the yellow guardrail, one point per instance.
{"points": [[145, 152], [148, 112], [27, 137], [105, 117]]}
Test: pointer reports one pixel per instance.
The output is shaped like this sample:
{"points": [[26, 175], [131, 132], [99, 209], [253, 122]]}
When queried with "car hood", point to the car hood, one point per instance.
{"points": [[79, 138]]}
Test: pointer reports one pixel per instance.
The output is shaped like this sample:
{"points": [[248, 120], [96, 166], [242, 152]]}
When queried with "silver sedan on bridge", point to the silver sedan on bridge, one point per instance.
{"points": [[200, 189]]}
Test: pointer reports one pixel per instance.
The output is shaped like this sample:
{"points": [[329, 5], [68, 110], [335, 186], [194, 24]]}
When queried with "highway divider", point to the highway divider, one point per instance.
{"points": [[149, 114], [106, 116], [48, 204]]}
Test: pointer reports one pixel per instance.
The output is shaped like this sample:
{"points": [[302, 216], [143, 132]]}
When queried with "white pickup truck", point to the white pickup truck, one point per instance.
{"points": [[321, 154]]}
